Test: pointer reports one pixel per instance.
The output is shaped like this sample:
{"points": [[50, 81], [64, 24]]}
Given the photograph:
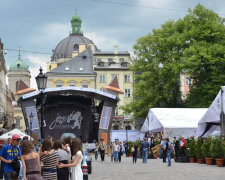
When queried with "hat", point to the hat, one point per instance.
{"points": [[15, 136]]}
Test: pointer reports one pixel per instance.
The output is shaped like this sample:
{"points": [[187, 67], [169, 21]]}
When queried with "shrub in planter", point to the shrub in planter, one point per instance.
{"points": [[192, 152], [217, 149], [207, 150], [199, 150], [130, 145]]}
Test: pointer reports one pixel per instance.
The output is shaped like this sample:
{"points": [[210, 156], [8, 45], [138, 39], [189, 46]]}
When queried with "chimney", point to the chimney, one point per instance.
{"points": [[116, 49]]}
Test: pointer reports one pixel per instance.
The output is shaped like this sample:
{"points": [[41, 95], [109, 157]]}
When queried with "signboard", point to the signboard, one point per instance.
{"points": [[67, 119], [105, 117], [32, 110]]}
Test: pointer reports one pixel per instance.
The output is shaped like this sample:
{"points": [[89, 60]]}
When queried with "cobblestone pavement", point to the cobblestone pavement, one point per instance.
{"points": [[153, 170]]}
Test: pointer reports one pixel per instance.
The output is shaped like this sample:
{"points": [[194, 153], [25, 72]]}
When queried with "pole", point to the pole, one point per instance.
{"points": [[42, 116], [222, 121]]}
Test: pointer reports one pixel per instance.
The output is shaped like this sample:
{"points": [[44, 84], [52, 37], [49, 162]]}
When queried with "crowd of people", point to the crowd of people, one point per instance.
{"points": [[48, 160], [116, 149]]}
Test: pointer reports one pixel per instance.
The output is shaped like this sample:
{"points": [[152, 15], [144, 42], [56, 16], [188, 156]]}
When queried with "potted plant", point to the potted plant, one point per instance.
{"points": [[206, 151], [130, 145], [199, 150], [217, 149], [192, 151]]}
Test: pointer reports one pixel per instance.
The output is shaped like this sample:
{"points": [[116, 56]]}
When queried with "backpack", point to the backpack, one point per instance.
{"points": [[169, 145]]}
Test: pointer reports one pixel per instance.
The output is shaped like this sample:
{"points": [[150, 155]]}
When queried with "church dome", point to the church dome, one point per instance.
{"points": [[70, 44], [65, 48], [19, 65]]}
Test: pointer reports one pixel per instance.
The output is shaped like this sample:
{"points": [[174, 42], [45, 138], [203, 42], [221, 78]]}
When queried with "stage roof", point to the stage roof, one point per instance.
{"points": [[76, 90]]}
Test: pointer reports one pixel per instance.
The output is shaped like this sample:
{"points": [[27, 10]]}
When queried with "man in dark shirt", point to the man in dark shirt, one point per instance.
{"points": [[145, 148], [176, 146]]}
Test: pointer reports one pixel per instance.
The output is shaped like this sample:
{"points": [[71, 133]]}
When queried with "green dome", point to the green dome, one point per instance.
{"points": [[76, 17], [19, 65]]}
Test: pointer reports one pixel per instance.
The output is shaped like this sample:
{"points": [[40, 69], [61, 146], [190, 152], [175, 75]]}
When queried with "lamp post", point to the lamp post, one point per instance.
{"points": [[31, 117], [41, 80], [126, 126]]}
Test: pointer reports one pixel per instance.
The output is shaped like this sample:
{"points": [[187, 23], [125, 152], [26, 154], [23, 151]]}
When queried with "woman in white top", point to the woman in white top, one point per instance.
{"points": [[77, 156]]}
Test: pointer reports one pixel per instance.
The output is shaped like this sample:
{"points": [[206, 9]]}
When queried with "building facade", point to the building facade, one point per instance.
{"points": [[76, 61], [19, 78], [3, 89]]}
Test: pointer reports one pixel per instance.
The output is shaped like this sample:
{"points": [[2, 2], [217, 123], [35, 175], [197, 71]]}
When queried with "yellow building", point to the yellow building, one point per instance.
{"points": [[107, 66], [76, 61]]}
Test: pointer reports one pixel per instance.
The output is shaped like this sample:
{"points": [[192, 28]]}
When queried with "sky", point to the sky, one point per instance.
{"points": [[39, 25]]}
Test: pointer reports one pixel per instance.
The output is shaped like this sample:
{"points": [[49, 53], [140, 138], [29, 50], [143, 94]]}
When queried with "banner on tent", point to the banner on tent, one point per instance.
{"points": [[133, 135], [105, 117]]}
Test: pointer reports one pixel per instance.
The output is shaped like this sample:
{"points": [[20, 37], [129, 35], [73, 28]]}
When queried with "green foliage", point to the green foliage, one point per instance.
{"points": [[199, 150], [130, 145], [192, 148], [207, 148], [217, 148], [193, 45]]}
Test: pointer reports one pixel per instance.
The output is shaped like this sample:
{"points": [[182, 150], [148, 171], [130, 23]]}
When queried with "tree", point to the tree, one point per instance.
{"points": [[204, 59], [193, 45]]}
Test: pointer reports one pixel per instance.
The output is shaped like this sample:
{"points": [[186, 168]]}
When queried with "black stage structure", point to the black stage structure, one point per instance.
{"points": [[87, 113]]}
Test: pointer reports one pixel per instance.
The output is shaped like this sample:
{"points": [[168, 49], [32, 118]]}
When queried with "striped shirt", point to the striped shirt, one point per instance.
{"points": [[50, 169]]}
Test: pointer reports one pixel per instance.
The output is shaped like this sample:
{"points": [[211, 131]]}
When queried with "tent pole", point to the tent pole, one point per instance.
{"points": [[222, 121]]}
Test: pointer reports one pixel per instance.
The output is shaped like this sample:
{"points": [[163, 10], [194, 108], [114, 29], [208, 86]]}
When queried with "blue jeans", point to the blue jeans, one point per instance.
{"points": [[169, 157], [7, 175], [116, 156], [145, 155]]}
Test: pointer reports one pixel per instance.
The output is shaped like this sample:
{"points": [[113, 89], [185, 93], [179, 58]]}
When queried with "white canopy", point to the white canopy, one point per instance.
{"points": [[209, 123], [11, 133], [173, 122]]}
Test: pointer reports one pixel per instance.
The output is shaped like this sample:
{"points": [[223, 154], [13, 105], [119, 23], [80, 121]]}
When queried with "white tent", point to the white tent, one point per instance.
{"points": [[174, 122], [11, 133], [210, 122]]}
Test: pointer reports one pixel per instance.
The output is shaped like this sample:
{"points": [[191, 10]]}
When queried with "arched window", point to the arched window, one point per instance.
{"points": [[17, 85], [59, 83], [72, 83], [84, 84], [115, 127], [76, 48]]}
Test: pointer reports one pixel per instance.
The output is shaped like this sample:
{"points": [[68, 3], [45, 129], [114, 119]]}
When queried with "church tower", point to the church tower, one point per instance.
{"points": [[19, 71]]}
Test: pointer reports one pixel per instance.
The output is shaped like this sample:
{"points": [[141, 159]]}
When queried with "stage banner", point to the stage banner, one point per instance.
{"points": [[62, 120], [32, 110], [27, 107], [105, 117]]}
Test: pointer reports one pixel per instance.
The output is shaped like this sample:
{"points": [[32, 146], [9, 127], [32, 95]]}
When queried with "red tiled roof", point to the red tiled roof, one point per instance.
{"points": [[22, 85], [114, 83], [113, 89], [24, 91]]}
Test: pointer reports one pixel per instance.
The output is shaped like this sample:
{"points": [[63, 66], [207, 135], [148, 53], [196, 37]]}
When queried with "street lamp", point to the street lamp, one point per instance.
{"points": [[126, 127], [31, 117], [41, 80]]}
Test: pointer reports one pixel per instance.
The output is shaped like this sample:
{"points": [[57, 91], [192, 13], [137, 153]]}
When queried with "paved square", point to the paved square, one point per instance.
{"points": [[153, 170]]}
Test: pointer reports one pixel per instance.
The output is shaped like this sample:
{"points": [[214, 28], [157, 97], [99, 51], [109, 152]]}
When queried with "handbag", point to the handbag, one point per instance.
{"points": [[15, 163]]}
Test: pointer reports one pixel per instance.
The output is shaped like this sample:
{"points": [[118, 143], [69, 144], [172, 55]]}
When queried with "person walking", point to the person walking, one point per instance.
{"points": [[8, 153], [96, 150], [116, 150], [102, 149], [120, 151], [30, 161], [135, 151], [49, 158], [77, 156], [169, 148], [63, 157], [164, 150], [145, 148]]}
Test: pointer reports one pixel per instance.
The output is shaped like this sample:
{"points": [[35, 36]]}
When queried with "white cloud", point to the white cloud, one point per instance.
{"points": [[36, 62], [50, 34]]}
